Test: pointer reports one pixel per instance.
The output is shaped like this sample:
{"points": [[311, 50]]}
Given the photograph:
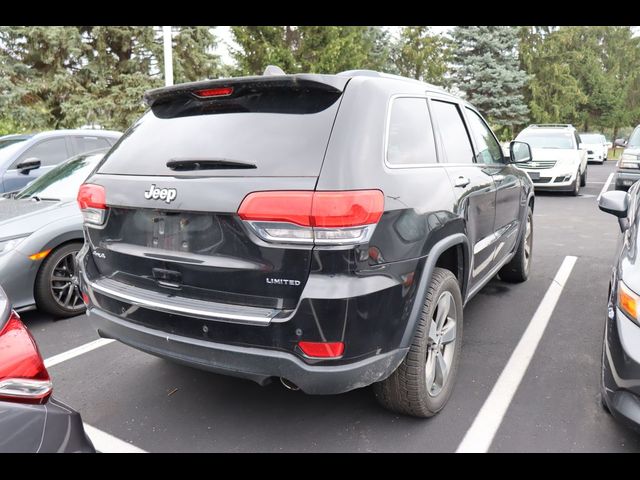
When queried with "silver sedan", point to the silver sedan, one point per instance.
{"points": [[40, 234]]}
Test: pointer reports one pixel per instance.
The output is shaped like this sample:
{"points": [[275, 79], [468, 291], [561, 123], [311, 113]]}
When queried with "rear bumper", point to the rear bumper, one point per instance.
{"points": [[257, 364], [621, 369]]}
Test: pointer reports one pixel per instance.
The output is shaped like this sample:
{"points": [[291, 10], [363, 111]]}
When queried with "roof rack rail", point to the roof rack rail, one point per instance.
{"points": [[551, 125]]}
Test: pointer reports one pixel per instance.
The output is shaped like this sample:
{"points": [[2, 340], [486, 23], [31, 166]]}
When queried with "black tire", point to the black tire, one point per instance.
{"points": [[517, 270], [407, 390], [575, 186], [45, 284], [583, 178]]}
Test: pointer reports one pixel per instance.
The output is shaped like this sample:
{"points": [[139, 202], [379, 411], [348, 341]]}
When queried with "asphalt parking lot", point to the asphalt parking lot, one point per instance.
{"points": [[143, 401]]}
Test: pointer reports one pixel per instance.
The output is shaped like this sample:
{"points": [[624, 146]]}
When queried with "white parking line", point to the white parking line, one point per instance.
{"points": [[106, 443], [606, 186], [480, 435], [74, 352]]}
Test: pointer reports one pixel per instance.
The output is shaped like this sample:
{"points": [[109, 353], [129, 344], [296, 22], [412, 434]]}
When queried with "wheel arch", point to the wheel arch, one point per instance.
{"points": [[442, 254]]}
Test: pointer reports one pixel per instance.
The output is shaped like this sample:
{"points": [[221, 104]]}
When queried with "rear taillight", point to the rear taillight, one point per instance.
{"points": [[23, 376], [321, 218], [93, 203]]}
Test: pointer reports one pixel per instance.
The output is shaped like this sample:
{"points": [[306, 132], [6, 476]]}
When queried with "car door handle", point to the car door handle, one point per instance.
{"points": [[461, 182]]}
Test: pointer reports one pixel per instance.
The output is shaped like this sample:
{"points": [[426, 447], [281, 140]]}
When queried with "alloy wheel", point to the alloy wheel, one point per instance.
{"points": [[64, 285], [441, 344]]}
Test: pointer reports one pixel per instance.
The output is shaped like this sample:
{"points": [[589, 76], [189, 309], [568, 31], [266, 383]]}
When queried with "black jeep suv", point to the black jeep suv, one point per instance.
{"points": [[322, 229]]}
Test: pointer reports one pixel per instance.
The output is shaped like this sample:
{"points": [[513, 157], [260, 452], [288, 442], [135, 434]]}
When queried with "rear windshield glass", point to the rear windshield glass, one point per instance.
{"points": [[547, 140], [245, 143], [591, 138]]}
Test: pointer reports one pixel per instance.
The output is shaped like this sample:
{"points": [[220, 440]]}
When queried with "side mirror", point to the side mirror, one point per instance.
{"points": [[519, 152], [616, 203], [27, 165]]}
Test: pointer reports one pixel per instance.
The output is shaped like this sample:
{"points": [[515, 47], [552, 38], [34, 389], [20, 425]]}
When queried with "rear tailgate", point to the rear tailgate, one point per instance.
{"points": [[175, 180]]}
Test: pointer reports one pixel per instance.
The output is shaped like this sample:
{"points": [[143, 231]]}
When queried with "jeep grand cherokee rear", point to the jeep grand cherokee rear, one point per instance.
{"points": [[254, 227]]}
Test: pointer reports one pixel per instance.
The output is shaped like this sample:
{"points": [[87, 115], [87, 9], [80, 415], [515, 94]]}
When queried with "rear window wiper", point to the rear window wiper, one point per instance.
{"points": [[211, 164]]}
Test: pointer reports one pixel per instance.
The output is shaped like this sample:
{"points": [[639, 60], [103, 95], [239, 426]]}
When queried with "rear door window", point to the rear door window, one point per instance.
{"points": [[410, 140], [452, 133], [87, 144]]}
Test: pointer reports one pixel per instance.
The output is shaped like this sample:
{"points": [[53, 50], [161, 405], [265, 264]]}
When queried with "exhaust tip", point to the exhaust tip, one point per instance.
{"points": [[289, 385]]}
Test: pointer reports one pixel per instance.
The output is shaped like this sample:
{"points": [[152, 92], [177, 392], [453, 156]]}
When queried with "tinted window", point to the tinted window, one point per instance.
{"points": [[410, 134], [49, 152], [287, 138], [489, 150], [452, 133], [86, 144]]}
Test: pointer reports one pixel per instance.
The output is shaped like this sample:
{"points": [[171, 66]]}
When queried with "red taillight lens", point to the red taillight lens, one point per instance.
{"points": [[347, 209], [291, 207], [92, 196], [214, 92], [23, 376], [92, 200], [322, 349], [329, 218]]}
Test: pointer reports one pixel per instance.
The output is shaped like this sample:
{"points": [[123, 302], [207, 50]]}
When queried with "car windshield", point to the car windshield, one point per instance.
{"points": [[9, 150], [63, 182], [10, 141], [634, 140], [547, 140], [591, 138]]}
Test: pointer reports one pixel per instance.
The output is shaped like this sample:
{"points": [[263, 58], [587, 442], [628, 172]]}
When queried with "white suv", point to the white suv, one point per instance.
{"points": [[558, 163], [596, 146]]}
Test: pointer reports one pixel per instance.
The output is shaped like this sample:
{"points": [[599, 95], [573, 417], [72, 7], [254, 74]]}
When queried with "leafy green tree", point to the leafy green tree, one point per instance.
{"points": [[63, 77], [553, 93], [193, 54], [37, 66], [315, 49], [420, 54], [487, 69]]}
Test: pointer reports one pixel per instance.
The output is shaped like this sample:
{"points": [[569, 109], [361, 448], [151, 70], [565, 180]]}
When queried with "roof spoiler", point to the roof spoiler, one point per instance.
{"points": [[245, 85]]}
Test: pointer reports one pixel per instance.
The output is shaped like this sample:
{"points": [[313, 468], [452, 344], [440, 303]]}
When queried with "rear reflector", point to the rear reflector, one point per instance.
{"points": [[322, 349], [215, 92], [329, 218], [23, 376], [92, 200]]}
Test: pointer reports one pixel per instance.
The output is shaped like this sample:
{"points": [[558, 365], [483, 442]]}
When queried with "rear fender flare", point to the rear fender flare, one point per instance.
{"points": [[425, 280]]}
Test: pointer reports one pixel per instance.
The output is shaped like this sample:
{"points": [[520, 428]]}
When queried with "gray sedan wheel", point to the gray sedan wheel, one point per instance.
{"points": [[56, 288]]}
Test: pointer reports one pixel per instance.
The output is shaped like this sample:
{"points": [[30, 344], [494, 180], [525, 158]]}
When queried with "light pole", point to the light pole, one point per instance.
{"points": [[168, 56]]}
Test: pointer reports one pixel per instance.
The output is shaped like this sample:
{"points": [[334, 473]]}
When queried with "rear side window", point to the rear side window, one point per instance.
{"points": [[86, 144], [452, 133], [281, 132], [410, 139], [49, 152]]}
